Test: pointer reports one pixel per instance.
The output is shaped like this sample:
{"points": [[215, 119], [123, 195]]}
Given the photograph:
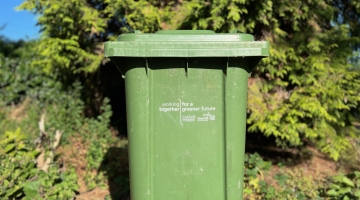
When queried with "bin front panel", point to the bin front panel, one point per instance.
{"points": [[186, 122]]}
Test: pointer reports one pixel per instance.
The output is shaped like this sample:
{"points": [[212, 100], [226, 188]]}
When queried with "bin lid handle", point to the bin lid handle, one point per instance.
{"points": [[133, 31]]}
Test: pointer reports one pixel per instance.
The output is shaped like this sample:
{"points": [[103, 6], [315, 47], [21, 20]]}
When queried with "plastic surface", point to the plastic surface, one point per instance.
{"points": [[185, 44], [186, 117]]}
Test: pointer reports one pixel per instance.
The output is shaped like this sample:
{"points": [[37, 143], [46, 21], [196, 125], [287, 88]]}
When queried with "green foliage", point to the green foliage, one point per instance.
{"points": [[99, 135], [9, 48], [351, 157], [294, 184], [74, 31], [20, 177], [54, 184], [344, 186], [64, 111], [255, 168], [35, 92], [29, 92], [18, 79], [17, 164], [45, 93], [68, 28]]}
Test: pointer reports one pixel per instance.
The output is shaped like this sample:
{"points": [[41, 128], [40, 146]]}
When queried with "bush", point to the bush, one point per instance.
{"points": [[34, 92], [21, 178], [343, 186], [295, 184]]}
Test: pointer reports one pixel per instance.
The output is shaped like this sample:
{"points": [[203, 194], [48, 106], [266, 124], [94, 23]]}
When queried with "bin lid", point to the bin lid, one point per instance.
{"points": [[185, 43]]}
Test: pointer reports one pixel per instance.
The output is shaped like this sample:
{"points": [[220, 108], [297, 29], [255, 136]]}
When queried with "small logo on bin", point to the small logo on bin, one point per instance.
{"points": [[188, 118], [206, 117], [209, 116]]}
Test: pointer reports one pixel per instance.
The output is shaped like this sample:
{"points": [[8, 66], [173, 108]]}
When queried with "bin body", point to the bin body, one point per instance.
{"points": [[186, 111]]}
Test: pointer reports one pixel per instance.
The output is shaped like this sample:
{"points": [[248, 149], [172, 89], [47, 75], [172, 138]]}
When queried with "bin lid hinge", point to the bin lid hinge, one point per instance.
{"points": [[147, 67], [227, 66], [187, 67]]}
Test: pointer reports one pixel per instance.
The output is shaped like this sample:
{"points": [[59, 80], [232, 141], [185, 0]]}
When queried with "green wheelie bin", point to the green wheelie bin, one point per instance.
{"points": [[186, 94]]}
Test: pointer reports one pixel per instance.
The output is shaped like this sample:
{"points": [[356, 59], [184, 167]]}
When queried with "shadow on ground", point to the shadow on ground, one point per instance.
{"points": [[269, 151], [115, 166]]}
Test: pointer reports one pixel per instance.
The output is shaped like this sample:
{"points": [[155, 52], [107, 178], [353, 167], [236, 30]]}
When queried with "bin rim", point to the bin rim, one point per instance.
{"points": [[186, 43]]}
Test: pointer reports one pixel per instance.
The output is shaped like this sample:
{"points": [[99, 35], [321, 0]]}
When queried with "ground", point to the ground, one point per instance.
{"points": [[310, 161]]}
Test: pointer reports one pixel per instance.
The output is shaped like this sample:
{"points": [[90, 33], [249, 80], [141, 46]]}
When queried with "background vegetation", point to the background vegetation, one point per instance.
{"points": [[61, 92]]}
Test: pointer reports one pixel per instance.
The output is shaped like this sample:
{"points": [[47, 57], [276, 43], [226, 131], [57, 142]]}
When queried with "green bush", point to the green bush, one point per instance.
{"points": [[21, 179], [343, 187], [36, 92], [294, 184], [44, 92], [64, 111], [255, 169], [17, 164]]}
